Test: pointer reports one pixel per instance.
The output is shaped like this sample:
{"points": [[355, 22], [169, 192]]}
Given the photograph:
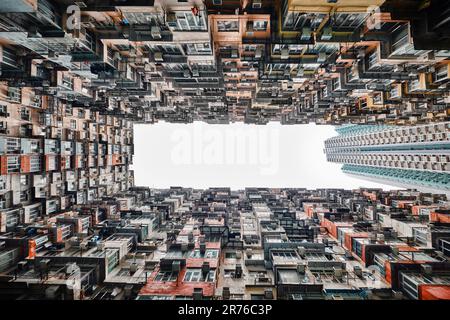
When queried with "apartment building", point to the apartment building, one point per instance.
{"points": [[407, 155], [290, 61], [292, 244]]}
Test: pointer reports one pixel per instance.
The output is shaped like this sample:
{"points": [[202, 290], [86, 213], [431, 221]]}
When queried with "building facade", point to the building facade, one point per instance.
{"points": [[76, 76], [402, 156]]}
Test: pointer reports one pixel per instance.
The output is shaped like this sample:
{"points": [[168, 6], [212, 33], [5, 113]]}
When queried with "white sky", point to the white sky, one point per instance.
{"points": [[200, 155]]}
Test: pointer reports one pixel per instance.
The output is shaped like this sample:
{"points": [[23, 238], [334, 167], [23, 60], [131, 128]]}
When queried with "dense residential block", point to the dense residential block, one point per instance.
{"points": [[75, 76]]}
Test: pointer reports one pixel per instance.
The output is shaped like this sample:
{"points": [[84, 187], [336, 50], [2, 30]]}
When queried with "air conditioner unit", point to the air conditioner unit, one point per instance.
{"points": [[33, 32], [257, 4], [361, 54], [301, 268], [171, 17], [117, 56], [133, 268], [301, 251], [158, 56], [205, 267], [427, 269], [238, 271], [380, 237], [337, 272], [14, 94], [268, 294], [155, 32], [358, 271], [306, 33], [53, 54], [226, 293], [51, 293], [258, 53], [176, 266], [322, 57], [327, 33], [197, 294], [249, 26], [285, 53]]}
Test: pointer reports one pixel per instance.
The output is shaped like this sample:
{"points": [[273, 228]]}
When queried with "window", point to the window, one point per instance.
{"points": [[165, 276], [401, 42], [348, 20], [186, 21], [67, 81], [285, 255], [230, 255], [24, 195], [13, 164], [209, 254], [293, 48], [2, 183], [155, 297], [12, 219], [296, 20], [198, 48], [25, 114], [259, 25], [123, 272], [326, 276], [35, 163], [196, 275], [195, 254], [441, 73], [228, 26], [3, 110], [250, 47], [112, 256]]}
